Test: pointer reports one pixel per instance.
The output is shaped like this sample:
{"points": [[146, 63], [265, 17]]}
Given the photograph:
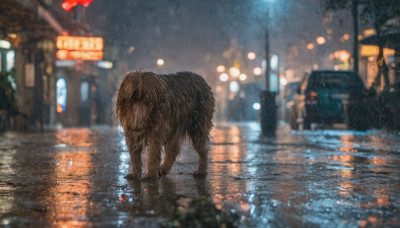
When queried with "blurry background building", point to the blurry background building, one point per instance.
{"points": [[50, 90], [223, 41]]}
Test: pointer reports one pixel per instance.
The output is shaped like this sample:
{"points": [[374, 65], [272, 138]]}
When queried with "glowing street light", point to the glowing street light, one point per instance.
{"points": [[160, 62], [242, 77], [234, 86], [256, 106], [310, 46], [251, 55], [320, 40], [283, 81], [345, 37], [220, 68], [234, 72], [223, 77], [257, 71], [343, 55]]}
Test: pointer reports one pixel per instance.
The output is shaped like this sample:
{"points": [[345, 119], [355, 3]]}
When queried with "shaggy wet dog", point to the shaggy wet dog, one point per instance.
{"points": [[158, 111]]}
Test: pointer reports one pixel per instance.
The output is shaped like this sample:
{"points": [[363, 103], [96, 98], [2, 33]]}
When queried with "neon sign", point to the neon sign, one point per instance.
{"points": [[67, 5], [84, 48]]}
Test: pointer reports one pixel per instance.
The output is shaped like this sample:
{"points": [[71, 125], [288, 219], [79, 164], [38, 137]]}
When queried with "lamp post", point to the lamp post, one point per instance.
{"points": [[268, 117], [354, 12]]}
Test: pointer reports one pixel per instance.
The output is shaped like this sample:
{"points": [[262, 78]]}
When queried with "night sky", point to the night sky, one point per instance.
{"points": [[193, 34]]}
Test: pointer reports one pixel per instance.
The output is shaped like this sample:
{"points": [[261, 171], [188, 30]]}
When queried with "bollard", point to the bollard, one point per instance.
{"points": [[268, 116]]}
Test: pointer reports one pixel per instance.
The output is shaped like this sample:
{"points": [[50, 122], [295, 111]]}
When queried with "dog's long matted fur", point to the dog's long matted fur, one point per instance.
{"points": [[158, 111]]}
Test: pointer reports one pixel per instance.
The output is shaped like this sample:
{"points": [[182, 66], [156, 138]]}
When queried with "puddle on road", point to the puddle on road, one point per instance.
{"points": [[75, 177], [328, 177]]}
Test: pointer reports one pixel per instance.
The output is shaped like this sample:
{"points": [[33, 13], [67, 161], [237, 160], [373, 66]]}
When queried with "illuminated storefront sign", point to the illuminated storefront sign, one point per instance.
{"points": [[84, 48], [371, 50]]}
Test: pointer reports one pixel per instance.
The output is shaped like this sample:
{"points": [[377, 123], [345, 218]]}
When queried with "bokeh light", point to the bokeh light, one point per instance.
{"points": [[257, 71], [320, 40], [160, 62], [234, 72], [223, 77], [251, 55], [220, 68], [242, 77]]}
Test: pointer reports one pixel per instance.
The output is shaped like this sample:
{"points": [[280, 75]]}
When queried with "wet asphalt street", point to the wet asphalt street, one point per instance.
{"points": [[321, 178]]}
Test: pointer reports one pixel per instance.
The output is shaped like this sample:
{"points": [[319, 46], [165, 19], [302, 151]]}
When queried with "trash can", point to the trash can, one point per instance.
{"points": [[268, 117]]}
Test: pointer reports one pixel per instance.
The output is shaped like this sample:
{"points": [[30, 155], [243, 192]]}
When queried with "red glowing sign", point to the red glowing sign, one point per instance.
{"points": [[84, 48], [83, 55], [67, 5]]}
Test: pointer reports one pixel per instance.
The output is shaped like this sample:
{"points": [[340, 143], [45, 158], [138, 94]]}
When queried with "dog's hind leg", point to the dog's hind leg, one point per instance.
{"points": [[200, 145], [171, 152], [153, 160], [135, 148]]}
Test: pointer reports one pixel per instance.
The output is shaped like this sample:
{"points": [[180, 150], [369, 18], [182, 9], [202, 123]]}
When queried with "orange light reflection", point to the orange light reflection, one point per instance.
{"points": [[227, 159], [75, 137], [70, 197]]}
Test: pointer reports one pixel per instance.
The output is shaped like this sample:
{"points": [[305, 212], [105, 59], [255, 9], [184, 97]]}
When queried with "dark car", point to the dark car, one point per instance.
{"points": [[325, 97]]}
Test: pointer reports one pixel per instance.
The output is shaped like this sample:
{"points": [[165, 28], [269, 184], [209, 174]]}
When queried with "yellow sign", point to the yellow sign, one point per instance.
{"points": [[84, 48], [371, 50]]}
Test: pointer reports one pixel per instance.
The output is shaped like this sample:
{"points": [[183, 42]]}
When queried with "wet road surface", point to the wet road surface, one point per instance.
{"points": [[329, 178]]}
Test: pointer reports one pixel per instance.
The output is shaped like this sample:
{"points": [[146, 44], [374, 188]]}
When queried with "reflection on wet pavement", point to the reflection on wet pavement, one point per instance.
{"points": [[330, 178]]}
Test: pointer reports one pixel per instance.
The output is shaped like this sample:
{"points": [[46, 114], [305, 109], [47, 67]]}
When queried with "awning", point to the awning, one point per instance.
{"points": [[37, 18], [15, 18], [62, 21]]}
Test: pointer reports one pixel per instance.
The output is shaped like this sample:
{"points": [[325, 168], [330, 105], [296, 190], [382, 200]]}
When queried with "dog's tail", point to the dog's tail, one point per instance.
{"points": [[139, 90]]}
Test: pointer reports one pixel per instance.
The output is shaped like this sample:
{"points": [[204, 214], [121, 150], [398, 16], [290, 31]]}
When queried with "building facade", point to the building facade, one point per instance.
{"points": [[40, 80]]}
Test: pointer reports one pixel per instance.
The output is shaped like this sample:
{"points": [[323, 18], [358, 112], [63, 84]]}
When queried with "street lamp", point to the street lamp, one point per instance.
{"points": [[234, 72], [220, 68], [242, 77], [320, 40], [223, 77], [257, 71], [160, 62], [268, 103], [251, 55]]}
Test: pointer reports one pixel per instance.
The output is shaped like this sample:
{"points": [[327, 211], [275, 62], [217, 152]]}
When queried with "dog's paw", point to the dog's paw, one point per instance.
{"points": [[162, 172], [199, 174], [132, 176], [150, 178]]}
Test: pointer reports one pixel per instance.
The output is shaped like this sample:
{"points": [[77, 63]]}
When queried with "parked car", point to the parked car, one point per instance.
{"points": [[328, 97]]}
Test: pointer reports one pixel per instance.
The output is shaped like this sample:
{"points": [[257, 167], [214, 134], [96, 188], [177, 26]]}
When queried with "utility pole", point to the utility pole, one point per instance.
{"points": [[267, 56], [354, 12], [268, 103]]}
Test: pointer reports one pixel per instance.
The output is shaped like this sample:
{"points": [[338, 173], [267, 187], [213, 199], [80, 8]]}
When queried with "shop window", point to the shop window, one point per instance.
{"points": [[61, 95], [10, 60], [84, 91]]}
